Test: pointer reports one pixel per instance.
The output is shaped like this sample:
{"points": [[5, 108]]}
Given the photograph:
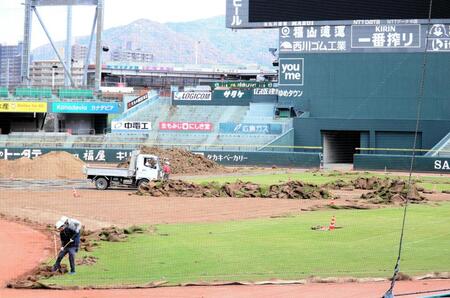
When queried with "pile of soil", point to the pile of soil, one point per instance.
{"points": [[31, 281], [365, 183], [385, 191], [297, 190], [86, 260], [183, 161], [238, 189], [53, 165], [394, 192], [89, 239]]}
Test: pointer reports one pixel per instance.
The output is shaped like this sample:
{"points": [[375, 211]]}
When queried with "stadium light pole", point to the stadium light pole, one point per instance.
{"points": [[197, 43]]}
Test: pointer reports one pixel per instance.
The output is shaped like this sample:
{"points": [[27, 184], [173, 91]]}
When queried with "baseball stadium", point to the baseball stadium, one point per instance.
{"points": [[131, 166]]}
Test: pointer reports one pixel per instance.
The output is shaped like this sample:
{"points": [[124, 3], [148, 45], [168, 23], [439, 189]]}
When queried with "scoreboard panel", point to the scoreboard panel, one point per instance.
{"points": [[281, 13], [331, 10]]}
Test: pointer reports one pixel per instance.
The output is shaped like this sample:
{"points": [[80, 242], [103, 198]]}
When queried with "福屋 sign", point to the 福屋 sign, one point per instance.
{"points": [[86, 107], [194, 96], [185, 126], [23, 107], [131, 126]]}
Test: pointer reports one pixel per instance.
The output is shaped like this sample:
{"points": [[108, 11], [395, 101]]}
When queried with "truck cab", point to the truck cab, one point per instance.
{"points": [[148, 168]]}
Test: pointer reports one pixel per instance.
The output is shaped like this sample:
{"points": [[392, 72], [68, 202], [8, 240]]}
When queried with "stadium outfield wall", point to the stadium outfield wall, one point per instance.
{"points": [[230, 158], [380, 162]]}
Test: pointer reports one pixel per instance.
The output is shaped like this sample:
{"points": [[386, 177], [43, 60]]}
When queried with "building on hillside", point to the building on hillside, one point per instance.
{"points": [[79, 53], [50, 73], [128, 55], [10, 65]]}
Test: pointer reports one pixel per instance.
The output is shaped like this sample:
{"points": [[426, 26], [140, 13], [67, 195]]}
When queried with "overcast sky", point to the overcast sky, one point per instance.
{"points": [[116, 13]]}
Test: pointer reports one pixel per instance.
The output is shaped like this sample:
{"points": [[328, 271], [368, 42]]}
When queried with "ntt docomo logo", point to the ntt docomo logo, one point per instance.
{"points": [[291, 71]]}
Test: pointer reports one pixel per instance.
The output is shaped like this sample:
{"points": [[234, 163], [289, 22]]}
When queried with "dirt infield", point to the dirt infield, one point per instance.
{"points": [[22, 248], [97, 209]]}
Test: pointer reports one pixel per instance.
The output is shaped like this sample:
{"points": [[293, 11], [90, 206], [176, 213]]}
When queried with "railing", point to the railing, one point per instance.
{"points": [[150, 101], [399, 151], [438, 148], [101, 141], [288, 137]]}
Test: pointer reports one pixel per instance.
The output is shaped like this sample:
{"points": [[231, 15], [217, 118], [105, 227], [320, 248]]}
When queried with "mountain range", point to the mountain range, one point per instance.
{"points": [[177, 42]]}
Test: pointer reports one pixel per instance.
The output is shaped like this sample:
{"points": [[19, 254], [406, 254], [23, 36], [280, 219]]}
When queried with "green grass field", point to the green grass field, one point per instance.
{"points": [[284, 248], [431, 183]]}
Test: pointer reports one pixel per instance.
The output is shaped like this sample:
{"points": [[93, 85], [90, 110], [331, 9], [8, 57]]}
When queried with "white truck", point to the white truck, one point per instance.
{"points": [[142, 169]]}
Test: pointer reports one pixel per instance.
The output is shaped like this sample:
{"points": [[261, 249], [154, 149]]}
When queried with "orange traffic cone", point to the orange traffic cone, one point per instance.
{"points": [[75, 193], [332, 223]]}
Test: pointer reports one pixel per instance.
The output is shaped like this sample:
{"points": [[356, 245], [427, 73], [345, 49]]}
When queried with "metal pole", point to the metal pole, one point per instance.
{"points": [[53, 45], [98, 55], [25, 71], [88, 55], [197, 43], [68, 50], [53, 78]]}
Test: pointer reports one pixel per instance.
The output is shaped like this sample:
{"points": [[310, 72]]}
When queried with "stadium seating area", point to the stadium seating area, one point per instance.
{"points": [[34, 139], [75, 93], [63, 94], [159, 109], [33, 92], [4, 92]]}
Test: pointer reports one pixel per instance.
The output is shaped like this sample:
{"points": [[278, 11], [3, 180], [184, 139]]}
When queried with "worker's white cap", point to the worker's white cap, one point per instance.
{"points": [[62, 221]]}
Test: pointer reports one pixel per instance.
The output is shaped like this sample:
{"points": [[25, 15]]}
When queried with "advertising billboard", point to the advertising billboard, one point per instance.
{"points": [[357, 38], [131, 126], [131, 104], [85, 107], [23, 107], [250, 128], [192, 96], [186, 126]]}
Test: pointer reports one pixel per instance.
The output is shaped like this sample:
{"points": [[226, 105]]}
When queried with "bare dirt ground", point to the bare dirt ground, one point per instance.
{"points": [[97, 209], [22, 248]]}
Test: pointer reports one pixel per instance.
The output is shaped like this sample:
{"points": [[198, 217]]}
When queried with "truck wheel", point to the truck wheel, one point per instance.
{"points": [[101, 183], [142, 181]]}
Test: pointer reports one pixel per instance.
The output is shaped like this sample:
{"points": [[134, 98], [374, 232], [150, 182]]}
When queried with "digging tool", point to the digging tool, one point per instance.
{"points": [[56, 255]]}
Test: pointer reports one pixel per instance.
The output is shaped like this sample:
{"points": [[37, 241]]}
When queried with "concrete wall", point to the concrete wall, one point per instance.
{"points": [[374, 86], [308, 131], [401, 163]]}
